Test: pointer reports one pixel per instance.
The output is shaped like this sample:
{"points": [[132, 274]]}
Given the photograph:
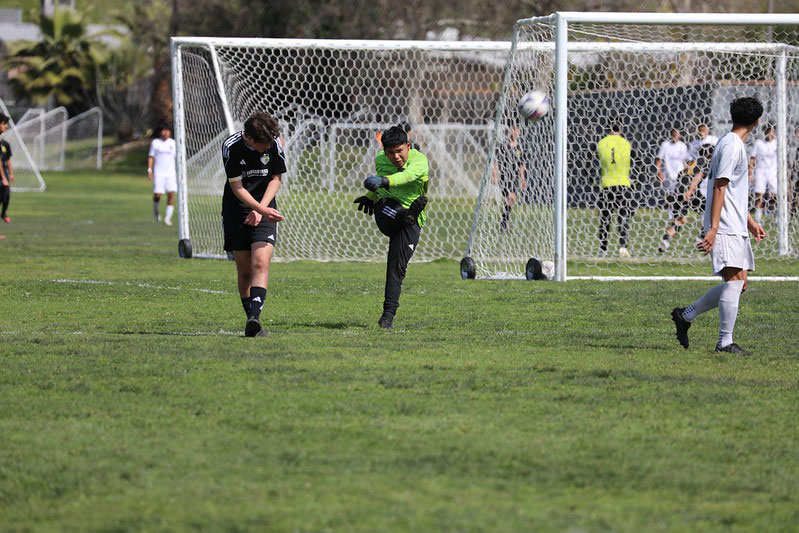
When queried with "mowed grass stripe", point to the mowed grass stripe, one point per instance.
{"points": [[135, 404]]}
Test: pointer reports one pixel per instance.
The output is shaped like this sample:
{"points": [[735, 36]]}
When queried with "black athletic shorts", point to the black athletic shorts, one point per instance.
{"points": [[680, 207], [389, 216], [239, 236]]}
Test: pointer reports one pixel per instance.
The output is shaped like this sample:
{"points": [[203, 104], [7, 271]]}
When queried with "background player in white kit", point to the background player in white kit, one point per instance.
{"points": [[161, 171], [670, 161], [764, 162], [727, 220]]}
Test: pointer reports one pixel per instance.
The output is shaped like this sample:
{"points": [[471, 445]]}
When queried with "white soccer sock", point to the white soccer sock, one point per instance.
{"points": [[708, 301], [155, 211], [169, 210], [728, 310]]}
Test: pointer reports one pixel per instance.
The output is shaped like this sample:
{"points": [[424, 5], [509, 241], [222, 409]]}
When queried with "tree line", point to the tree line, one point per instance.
{"points": [[131, 82]]}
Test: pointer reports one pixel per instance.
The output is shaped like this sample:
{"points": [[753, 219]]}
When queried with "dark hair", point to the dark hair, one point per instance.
{"points": [[745, 111], [394, 136], [261, 127], [406, 127], [4, 118], [159, 128]]}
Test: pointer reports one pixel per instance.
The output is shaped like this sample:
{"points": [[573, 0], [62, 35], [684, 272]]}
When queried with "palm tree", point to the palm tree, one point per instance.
{"points": [[61, 66]]}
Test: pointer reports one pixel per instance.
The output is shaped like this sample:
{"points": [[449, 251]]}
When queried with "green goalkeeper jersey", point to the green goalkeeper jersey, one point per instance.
{"points": [[406, 184], [614, 160]]}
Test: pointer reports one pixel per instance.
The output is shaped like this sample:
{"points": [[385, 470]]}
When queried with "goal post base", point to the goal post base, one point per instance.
{"points": [[184, 248]]}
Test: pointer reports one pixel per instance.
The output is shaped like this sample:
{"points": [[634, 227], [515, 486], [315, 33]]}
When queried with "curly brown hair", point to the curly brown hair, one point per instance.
{"points": [[261, 127]]}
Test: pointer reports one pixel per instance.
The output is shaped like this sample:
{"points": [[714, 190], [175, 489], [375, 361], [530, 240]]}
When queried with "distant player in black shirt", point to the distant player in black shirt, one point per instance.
{"points": [[254, 163], [509, 171], [685, 195], [6, 170]]}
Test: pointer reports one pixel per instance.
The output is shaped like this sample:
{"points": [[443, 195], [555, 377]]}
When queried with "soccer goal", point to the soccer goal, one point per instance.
{"points": [[83, 140], [648, 73], [45, 136], [332, 98], [26, 171]]}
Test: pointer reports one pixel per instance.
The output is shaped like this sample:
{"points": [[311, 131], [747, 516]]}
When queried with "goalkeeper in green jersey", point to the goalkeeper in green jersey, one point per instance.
{"points": [[397, 198], [615, 190]]}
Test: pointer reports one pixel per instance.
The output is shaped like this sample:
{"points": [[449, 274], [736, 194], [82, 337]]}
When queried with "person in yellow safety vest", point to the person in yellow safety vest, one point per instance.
{"points": [[615, 191]]}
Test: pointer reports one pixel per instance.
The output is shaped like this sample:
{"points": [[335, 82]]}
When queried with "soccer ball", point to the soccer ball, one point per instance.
{"points": [[534, 105]]}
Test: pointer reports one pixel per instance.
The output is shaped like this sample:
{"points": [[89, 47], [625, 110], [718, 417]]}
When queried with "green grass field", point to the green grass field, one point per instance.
{"points": [[130, 401]]}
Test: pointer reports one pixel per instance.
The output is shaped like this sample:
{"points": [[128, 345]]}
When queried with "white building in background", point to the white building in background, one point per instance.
{"points": [[13, 29], [49, 6]]}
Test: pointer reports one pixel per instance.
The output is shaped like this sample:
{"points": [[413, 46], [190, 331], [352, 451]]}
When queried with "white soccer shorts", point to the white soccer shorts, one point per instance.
{"points": [[764, 182], [164, 183], [732, 251]]}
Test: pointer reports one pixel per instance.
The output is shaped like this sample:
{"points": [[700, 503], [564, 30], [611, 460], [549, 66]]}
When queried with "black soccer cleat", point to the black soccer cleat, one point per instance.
{"points": [[412, 213], [733, 349], [385, 321], [253, 328], [682, 326]]}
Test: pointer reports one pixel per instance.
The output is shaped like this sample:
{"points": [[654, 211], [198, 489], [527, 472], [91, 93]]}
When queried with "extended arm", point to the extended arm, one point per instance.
{"points": [[719, 191], [755, 229], [692, 187], [150, 160]]}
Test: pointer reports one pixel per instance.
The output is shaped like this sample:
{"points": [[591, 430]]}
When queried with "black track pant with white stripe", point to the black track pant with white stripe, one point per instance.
{"points": [[5, 199], [401, 246]]}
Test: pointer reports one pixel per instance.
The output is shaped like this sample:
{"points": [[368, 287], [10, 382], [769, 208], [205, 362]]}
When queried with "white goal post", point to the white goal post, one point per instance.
{"points": [[648, 73], [26, 171], [332, 97]]}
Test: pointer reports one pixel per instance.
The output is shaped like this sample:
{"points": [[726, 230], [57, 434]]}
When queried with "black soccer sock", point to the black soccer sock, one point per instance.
{"points": [[245, 303], [257, 297], [5, 199], [506, 213]]}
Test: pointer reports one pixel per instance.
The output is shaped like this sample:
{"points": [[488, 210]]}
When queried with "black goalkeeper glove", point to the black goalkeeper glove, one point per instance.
{"points": [[375, 182], [366, 205]]}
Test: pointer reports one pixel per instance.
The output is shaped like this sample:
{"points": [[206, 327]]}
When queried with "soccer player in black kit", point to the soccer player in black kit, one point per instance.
{"points": [[6, 171], [511, 175], [254, 164]]}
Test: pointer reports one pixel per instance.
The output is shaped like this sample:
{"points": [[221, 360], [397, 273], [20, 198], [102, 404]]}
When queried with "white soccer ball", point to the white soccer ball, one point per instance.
{"points": [[548, 269], [534, 105]]}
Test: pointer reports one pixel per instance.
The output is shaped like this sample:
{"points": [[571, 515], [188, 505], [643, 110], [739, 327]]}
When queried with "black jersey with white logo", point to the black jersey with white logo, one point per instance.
{"points": [[252, 168], [5, 155]]}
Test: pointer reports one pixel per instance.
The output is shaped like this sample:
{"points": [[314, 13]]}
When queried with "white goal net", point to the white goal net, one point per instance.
{"points": [[45, 136], [83, 140], [26, 172], [57, 142], [332, 98], [649, 74]]}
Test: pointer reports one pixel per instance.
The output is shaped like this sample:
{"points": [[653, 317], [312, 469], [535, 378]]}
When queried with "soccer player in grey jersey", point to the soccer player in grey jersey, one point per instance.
{"points": [[727, 220]]}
